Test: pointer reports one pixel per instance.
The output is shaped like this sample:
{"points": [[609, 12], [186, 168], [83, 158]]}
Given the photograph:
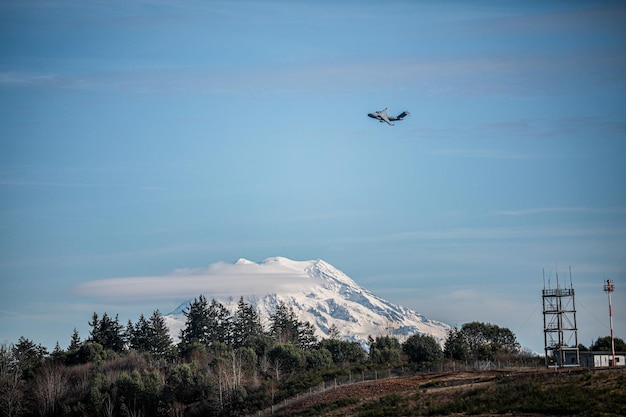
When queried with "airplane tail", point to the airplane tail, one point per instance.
{"points": [[403, 114]]}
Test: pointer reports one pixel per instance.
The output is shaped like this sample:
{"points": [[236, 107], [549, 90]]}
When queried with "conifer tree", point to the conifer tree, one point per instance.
{"points": [[384, 349], [73, 350], [29, 356], [306, 335], [95, 326], [284, 325], [333, 332], [197, 324], [220, 324], [139, 335], [286, 328], [74, 341], [127, 334], [455, 346], [246, 324], [160, 340], [58, 355], [107, 332]]}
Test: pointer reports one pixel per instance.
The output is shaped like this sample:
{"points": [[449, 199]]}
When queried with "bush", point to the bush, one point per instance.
{"points": [[423, 349]]}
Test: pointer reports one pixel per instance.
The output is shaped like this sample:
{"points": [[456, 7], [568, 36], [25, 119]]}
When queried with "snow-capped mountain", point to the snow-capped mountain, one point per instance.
{"points": [[318, 293]]}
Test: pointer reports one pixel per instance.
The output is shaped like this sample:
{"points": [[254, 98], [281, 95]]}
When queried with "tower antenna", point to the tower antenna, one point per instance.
{"points": [[560, 331], [609, 287], [571, 285]]}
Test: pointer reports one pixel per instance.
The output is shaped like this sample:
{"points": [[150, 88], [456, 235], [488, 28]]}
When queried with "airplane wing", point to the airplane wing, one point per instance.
{"points": [[384, 118]]}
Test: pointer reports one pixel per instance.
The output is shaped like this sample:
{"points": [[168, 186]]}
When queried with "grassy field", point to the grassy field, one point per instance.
{"points": [[569, 392]]}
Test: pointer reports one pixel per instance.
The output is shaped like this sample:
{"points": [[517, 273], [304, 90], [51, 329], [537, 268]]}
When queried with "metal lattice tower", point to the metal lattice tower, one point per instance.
{"points": [[559, 325]]}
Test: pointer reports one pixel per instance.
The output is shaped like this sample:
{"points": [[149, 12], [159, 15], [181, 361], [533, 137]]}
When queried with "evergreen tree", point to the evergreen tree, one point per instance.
{"points": [[58, 355], [344, 352], [73, 350], [160, 340], [107, 332], [87, 352], [455, 346], [384, 349], [29, 356], [285, 358], [74, 341], [286, 328], [197, 324], [261, 345], [139, 335], [95, 326], [283, 325], [317, 359], [306, 335], [333, 332], [246, 324], [422, 349], [220, 324], [206, 324], [604, 344], [127, 334]]}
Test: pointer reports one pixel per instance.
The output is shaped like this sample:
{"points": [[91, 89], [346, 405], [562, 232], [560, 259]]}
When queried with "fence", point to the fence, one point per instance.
{"points": [[330, 385], [364, 376]]}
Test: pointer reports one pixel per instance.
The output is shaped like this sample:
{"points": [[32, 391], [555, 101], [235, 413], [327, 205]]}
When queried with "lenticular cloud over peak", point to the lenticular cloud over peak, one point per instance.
{"points": [[244, 277], [317, 291]]}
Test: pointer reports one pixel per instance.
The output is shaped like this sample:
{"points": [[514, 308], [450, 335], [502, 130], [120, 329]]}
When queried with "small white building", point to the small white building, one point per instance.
{"points": [[601, 359]]}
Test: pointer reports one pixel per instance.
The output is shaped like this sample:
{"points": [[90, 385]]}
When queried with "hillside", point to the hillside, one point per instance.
{"points": [[574, 392]]}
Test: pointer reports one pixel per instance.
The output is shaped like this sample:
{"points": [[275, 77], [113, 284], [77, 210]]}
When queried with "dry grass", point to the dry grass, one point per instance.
{"points": [[579, 392]]}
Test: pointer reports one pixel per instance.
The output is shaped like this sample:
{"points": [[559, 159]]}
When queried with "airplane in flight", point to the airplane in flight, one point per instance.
{"points": [[382, 116]]}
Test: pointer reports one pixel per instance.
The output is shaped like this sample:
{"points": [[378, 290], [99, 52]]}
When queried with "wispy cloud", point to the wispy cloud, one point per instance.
{"points": [[22, 79], [484, 154], [488, 233], [497, 75], [23, 183], [36, 80], [552, 210], [218, 279], [39, 315]]}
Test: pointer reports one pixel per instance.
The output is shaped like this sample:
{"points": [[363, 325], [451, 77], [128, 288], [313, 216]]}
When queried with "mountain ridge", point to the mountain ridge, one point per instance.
{"points": [[321, 294]]}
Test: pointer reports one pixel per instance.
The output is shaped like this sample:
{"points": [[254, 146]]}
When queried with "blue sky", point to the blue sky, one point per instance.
{"points": [[138, 138]]}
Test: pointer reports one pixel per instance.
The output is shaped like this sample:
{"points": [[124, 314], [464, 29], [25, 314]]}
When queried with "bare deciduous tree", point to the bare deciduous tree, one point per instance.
{"points": [[11, 384], [51, 385], [109, 407], [178, 409]]}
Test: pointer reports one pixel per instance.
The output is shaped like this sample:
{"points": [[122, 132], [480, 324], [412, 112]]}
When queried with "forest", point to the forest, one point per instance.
{"points": [[224, 364]]}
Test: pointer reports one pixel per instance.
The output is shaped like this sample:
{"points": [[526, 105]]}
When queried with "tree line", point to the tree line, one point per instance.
{"points": [[223, 364]]}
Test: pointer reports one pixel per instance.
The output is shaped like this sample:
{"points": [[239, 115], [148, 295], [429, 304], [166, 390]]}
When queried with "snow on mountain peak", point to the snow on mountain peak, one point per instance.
{"points": [[244, 261], [318, 293], [286, 263]]}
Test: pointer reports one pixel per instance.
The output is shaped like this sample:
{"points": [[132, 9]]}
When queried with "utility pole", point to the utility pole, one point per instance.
{"points": [[609, 287]]}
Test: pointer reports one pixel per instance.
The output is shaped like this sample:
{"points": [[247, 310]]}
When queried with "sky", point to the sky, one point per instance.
{"points": [[142, 138]]}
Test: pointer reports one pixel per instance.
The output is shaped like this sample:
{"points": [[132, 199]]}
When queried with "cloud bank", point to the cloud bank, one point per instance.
{"points": [[219, 279]]}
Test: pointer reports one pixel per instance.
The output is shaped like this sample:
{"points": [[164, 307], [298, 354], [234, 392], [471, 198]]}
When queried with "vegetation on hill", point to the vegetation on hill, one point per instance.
{"points": [[224, 364], [572, 392]]}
